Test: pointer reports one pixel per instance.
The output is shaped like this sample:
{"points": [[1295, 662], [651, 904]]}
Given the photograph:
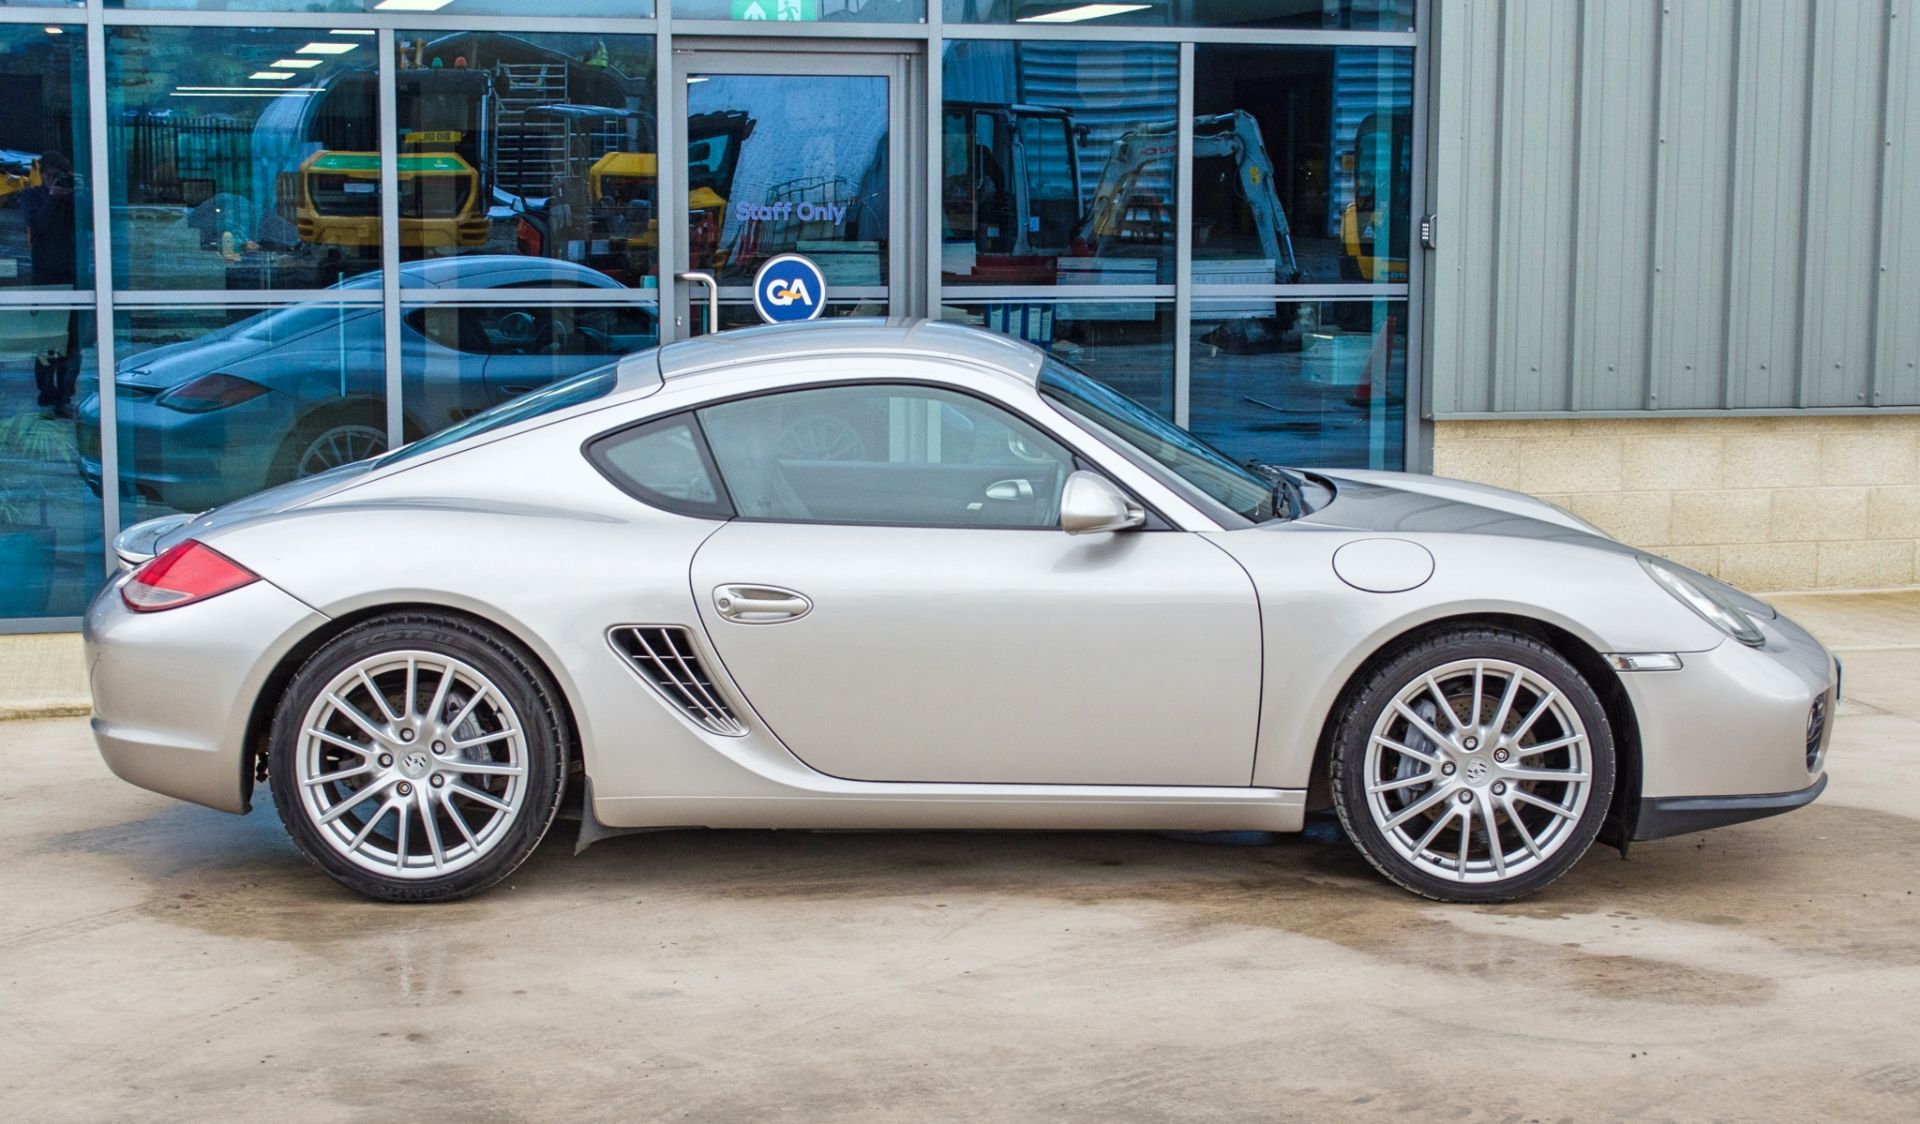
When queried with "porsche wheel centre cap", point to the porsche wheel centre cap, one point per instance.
{"points": [[414, 765]]}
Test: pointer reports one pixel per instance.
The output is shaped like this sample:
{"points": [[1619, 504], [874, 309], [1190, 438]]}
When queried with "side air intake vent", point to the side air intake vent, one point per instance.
{"points": [[664, 656]]}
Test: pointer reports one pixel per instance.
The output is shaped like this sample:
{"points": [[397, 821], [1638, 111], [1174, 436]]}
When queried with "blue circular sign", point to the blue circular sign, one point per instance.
{"points": [[789, 288]]}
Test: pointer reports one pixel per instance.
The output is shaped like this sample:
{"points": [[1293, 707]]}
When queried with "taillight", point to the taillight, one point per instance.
{"points": [[189, 572], [210, 392]]}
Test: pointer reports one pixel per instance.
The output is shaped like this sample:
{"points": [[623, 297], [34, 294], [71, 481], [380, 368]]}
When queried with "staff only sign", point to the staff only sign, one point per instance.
{"points": [[835, 213], [789, 288]]}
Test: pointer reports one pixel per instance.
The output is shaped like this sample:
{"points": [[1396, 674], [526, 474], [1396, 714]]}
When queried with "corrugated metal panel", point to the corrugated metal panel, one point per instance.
{"points": [[1608, 310], [1897, 311], [1655, 204], [1770, 180]]}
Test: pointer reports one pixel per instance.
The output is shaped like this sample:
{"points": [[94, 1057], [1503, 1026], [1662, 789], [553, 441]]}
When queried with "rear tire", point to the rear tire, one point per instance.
{"points": [[418, 757], [1475, 765], [336, 436]]}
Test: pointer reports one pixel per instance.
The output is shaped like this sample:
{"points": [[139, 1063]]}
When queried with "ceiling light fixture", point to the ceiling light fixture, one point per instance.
{"points": [[411, 5], [293, 64], [327, 48], [269, 75]]}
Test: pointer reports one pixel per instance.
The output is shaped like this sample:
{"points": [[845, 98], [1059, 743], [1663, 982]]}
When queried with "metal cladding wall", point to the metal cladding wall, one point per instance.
{"points": [[1675, 205]]}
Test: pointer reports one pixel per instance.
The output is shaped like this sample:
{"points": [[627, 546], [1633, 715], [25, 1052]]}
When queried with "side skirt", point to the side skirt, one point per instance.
{"points": [[944, 807]]}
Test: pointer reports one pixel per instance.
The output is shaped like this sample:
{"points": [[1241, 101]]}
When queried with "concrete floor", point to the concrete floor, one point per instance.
{"points": [[168, 962]]}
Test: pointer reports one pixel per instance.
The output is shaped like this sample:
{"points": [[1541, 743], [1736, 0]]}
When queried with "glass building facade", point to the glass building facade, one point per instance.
{"points": [[244, 240]]}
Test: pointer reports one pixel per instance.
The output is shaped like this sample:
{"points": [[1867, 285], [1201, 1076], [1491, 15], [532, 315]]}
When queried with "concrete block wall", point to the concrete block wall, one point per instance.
{"points": [[1799, 502]]}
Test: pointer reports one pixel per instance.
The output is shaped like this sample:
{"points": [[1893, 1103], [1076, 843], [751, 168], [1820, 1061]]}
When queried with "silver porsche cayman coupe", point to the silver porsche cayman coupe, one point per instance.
{"points": [[911, 575]]}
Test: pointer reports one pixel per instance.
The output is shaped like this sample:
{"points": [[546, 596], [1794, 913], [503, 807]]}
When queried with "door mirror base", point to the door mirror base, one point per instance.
{"points": [[1090, 503]]}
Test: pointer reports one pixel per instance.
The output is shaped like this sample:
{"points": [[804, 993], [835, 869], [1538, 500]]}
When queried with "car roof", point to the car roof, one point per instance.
{"points": [[488, 271], [851, 336]]}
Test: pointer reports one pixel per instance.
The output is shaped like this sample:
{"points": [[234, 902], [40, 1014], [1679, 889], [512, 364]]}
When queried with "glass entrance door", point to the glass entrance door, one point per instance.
{"points": [[787, 153]]}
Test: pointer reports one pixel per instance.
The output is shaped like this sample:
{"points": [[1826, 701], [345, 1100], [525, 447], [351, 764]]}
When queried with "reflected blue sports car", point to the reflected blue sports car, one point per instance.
{"points": [[297, 390]]}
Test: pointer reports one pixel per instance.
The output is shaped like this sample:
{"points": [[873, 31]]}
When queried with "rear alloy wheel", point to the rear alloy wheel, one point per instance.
{"points": [[338, 444], [418, 758], [1475, 766]]}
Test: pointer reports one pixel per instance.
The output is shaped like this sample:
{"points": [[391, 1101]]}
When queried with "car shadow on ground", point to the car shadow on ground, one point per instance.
{"points": [[1798, 881]]}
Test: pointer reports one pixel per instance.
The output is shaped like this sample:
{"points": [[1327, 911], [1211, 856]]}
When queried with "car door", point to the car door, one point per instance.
{"points": [[896, 601]]}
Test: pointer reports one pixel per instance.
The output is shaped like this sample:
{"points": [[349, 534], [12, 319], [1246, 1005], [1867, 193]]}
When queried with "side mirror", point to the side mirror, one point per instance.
{"points": [[1090, 504]]}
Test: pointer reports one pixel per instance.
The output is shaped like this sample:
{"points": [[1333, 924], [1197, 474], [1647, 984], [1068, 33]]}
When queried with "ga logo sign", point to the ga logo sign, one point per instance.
{"points": [[789, 288]]}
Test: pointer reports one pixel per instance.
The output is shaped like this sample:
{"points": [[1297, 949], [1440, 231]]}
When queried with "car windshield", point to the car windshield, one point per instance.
{"points": [[1193, 461], [583, 387]]}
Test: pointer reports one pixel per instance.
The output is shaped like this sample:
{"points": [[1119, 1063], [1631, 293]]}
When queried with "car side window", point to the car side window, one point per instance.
{"points": [[662, 463], [885, 454]]}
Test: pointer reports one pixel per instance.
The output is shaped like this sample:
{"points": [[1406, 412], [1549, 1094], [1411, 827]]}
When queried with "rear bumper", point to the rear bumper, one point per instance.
{"points": [[173, 691], [1661, 816]]}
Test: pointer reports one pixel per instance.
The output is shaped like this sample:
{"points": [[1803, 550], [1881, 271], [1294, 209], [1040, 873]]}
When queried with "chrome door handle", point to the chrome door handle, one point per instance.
{"points": [[760, 604], [713, 295]]}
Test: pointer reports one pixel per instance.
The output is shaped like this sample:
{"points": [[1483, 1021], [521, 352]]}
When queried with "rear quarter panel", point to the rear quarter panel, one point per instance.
{"points": [[553, 555]]}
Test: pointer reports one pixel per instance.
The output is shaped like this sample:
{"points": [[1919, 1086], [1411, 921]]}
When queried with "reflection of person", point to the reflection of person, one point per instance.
{"points": [[51, 212]]}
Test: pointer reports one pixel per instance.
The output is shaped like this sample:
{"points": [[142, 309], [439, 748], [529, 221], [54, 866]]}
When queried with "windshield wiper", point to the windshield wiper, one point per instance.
{"points": [[1289, 490]]}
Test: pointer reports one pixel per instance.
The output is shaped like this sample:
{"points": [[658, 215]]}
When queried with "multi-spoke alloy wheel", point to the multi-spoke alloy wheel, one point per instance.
{"points": [[412, 764], [416, 757], [1475, 766], [338, 445]]}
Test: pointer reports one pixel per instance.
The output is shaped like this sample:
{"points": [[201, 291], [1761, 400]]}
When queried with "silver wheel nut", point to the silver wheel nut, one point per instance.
{"points": [[386, 761], [1499, 788], [1446, 770], [1466, 798], [1501, 755]]}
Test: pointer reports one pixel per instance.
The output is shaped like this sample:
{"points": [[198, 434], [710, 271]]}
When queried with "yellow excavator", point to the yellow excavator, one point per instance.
{"points": [[1126, 211], [1374, 228], [444, 168], [610, 215], [18, 172]]}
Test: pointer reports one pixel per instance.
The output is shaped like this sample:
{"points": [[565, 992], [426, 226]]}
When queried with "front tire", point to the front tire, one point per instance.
{"points": [[418, 757], [1475, 765]]}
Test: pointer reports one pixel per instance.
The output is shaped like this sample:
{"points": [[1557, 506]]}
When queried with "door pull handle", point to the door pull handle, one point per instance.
{"points": [[760, 604]]}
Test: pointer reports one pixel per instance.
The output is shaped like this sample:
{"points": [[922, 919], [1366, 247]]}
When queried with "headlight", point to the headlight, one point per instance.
{"points": [[1715, 607]]}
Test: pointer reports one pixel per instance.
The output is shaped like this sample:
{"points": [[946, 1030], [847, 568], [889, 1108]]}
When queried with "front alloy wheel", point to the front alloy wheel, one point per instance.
{"points": [[417, 758], [1475, 766]]}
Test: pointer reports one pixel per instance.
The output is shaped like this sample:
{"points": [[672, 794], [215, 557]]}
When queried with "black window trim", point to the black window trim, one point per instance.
{"points": [[595, 450], [1156, 521]]}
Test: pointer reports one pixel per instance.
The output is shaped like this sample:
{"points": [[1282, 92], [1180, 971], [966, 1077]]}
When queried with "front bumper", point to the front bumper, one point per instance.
{"points": [[1662, 816], [1729, 736], [173, 691]]}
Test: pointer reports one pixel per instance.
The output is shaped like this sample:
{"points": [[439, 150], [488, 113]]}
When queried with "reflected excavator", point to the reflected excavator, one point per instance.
{"points": [[1130, 208]]}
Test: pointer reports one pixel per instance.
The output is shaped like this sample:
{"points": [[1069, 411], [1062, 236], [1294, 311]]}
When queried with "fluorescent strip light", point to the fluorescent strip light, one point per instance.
{"points": [[351, 31], [1083, 12], [246, 94], [51, 30], [411, 5], [244, 90], [327, 48], [269, 75], [293, 64]]}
